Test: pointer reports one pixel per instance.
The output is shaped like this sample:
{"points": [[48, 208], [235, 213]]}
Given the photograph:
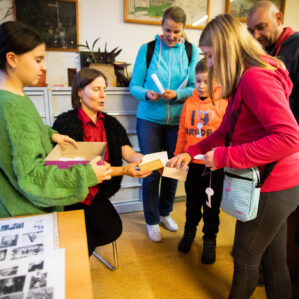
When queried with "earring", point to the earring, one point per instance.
{"points": [[12, 68]]}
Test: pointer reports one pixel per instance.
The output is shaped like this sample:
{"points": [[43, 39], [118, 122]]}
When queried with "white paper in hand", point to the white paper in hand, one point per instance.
{"points": [[163, 156], [199, 157], [158, 83]]}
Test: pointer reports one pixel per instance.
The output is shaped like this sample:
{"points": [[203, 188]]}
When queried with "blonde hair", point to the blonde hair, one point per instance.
{"points": [[175, 13], [234, 51]]}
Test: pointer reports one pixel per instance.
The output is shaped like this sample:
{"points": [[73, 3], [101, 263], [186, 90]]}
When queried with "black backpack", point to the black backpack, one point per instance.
{"points": [[151, 49]]}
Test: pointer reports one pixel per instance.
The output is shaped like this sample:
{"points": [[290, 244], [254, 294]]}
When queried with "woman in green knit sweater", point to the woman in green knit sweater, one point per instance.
{"points": [[27, 186]]}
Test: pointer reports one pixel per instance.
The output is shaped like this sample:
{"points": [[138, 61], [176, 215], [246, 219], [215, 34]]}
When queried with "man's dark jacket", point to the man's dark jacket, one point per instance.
{"points": [[287, 49]]}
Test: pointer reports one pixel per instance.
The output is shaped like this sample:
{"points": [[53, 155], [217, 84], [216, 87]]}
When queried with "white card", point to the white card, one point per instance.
{"points": [[163, 156], [158, 83], [199, 157]]}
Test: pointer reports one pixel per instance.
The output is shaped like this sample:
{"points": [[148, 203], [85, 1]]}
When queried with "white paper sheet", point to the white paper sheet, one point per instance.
{"points": [[199, 157], [158, 83], [30, 266], [163, 156]]}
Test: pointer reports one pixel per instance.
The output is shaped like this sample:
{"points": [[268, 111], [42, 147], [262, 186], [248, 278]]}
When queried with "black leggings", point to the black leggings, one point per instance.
{"points": [[196, 207], [263, 240], [103, 224]]}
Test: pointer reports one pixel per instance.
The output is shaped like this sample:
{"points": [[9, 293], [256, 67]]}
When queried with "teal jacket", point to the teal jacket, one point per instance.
{"points": [[171, 66], [26, 185]]}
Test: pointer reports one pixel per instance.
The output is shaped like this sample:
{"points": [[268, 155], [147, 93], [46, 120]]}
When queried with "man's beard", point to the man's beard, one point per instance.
{"points": [[269, 42]]}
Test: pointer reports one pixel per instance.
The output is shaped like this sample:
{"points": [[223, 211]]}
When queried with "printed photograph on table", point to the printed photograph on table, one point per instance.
{"points": [[3, 254], [40, 293], [8, 241], [151, 11], [55, 20], [8, 271], [39, 265], [240, 8], [12, 285], [38, 280]]}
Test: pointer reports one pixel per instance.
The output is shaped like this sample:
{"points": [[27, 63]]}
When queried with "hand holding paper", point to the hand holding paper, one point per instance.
{"points": [[169, 94], [159, 161], [180, 161], [153, 96]]}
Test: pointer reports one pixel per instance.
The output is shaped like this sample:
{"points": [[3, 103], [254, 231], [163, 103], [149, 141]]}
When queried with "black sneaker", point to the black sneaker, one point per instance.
{"points": [[209, 251], [186, 242]]}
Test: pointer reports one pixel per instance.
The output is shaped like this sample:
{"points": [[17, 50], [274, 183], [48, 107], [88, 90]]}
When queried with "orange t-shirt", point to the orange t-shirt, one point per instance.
{"points": [[199, 119]]}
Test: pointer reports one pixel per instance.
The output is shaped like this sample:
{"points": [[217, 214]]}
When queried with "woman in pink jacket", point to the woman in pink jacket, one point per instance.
{"points": [[265, 131]]}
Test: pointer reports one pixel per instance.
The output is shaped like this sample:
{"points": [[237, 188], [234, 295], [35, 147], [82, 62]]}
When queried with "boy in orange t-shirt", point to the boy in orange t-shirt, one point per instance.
{"points": [[200, 117]]}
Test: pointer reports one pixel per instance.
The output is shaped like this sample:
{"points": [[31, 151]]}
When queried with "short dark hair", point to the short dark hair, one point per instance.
{"points": [[17, 38], [176, 14], [84, 77], [202, 66]]}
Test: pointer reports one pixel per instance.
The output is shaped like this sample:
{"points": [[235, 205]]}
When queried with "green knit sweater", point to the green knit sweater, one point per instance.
{"points": [[26, 185]]}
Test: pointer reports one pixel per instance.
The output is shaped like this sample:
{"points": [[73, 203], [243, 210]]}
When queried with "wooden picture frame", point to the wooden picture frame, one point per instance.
{"points": [[151, 11], [240, 8], [55, 20]]}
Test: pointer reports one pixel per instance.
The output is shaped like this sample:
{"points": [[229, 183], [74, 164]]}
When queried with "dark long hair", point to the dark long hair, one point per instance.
{"points": [[84, 77], [17, 38]]}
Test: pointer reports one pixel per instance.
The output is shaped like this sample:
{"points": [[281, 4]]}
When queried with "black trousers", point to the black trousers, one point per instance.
{"points": [[103, 224], [196, 207]]}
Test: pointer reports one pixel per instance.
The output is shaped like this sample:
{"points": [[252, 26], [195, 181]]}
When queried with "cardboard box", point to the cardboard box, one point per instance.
{"points": [[158, 161], [152, 165], [85, 150]]}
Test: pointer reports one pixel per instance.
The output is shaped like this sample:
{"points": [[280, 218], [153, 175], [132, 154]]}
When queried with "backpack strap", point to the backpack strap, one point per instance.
{"points": [[189, 48], [151, 49], [150, 52]]}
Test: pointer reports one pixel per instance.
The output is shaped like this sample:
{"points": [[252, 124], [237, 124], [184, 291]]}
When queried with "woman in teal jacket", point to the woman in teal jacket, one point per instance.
{"points": [[158, 114]]}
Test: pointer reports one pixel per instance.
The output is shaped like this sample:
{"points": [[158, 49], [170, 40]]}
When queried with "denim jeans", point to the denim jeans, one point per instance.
{"points": [[263, 240], [153, 137]]}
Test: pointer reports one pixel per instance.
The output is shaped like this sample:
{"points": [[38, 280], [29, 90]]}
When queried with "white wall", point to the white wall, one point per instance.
{"points": [[105, 19]]}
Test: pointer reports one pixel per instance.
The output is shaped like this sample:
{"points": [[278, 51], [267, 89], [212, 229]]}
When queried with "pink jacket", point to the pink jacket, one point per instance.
{"points": [[265, 131]]}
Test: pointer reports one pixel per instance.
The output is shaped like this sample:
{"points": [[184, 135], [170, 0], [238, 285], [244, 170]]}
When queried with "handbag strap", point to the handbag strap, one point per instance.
{"points": [[269, 167]]}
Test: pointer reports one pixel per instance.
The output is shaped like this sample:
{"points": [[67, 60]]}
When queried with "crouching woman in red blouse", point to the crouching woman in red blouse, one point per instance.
{"points": [[86, 122]]}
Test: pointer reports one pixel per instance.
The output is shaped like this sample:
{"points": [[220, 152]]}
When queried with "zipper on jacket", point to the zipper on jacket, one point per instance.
{"points": [[169, 79], [237, 176]]}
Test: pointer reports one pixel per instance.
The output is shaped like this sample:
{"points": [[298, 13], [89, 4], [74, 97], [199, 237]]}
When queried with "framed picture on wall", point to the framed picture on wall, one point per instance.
{"points": [[240, 8], [151, 11], [55, 20]]}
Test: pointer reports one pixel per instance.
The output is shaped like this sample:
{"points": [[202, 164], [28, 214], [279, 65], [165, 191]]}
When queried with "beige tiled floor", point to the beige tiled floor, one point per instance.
{"points": [[151, 270]]}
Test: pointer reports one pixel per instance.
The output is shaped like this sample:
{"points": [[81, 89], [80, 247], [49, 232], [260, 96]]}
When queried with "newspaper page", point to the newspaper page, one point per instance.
{"points": [[30, 265]]}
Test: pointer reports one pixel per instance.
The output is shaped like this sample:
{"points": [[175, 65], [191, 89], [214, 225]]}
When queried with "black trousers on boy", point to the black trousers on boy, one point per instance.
{"points": [[196, 207], [103, 224]]}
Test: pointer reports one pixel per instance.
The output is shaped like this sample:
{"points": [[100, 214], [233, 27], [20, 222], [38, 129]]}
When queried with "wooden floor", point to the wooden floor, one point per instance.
{"points": [[151, 270]]}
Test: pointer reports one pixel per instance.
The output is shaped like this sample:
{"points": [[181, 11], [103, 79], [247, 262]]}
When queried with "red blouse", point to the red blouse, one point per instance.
{"points": [[93, 132]]}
